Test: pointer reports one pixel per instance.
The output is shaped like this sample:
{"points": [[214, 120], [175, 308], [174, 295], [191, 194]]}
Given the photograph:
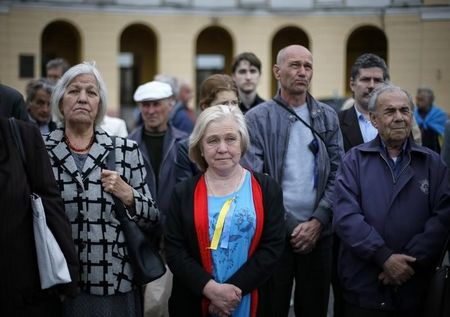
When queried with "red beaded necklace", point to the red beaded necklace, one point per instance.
{"points": [[75, 149]]}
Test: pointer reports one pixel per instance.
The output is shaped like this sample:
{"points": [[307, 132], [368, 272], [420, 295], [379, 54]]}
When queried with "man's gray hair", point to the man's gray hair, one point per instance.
{"points": [[57, 62], [376, 93], [85, 68], [427, 91], [34, 85]]}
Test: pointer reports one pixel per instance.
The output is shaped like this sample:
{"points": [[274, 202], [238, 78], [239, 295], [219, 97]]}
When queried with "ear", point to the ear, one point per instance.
{"points": [[276, 71], [373, 117], [352, 84]]}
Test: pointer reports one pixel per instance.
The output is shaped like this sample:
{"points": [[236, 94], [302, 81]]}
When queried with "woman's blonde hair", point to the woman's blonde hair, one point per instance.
{"points": [[215, 114]]}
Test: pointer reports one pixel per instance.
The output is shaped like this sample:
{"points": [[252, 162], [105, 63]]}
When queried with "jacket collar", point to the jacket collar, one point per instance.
{"points": [[60, 153], [311, 102], [376, 145], [172, 136]]}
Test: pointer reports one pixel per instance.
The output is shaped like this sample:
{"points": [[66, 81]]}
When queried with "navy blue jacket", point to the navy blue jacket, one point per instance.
{"points": [[166, 177], [378, 213]]}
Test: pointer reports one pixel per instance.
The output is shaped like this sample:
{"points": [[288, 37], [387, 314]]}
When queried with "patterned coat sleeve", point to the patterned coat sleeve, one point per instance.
{"points": [[133, 170]]}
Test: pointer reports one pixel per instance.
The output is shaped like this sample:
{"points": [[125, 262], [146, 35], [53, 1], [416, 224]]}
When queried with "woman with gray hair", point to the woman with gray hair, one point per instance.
{"points": [[225, 228], [78, 151]]}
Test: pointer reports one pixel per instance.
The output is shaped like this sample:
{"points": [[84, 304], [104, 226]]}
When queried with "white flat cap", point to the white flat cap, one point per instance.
{"points": [[151, 91]]}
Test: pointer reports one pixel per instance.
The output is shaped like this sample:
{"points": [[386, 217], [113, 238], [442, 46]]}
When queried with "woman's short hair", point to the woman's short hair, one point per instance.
{"points": [[212, 85], [36, 84], [215, 114], [85, 68]]}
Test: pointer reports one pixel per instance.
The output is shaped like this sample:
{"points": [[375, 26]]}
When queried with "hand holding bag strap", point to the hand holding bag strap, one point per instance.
{"points": [[146, 262]]}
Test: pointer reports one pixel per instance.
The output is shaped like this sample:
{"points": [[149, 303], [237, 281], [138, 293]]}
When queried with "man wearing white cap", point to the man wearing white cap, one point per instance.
{"points": [[157, 140]]}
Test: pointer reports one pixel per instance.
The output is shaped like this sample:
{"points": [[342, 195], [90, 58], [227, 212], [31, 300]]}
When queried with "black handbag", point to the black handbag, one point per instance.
{"points": [[146, 261], [437, 303]]}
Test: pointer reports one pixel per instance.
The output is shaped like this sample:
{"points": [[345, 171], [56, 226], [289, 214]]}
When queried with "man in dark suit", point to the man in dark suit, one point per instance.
{"points": [[12, 104], [368, 72]]}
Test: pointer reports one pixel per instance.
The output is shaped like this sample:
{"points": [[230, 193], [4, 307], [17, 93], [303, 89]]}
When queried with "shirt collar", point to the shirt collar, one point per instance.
{"points": [[360, 115]]}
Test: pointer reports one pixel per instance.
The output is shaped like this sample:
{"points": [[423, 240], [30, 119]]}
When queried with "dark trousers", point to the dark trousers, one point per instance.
{"points": [[338, 306], [312, 274], [353, 311]]}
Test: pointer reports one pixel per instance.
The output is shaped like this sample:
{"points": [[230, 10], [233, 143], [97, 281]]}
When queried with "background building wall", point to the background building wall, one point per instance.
{"points": [[418, 42]]}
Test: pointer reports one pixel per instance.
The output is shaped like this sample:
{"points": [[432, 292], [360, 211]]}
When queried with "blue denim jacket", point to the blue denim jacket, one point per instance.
{"points": [[269, 125]]}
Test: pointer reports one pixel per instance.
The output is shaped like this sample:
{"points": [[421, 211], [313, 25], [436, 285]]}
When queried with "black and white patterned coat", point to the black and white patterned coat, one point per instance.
{"points": [[104, 268]]}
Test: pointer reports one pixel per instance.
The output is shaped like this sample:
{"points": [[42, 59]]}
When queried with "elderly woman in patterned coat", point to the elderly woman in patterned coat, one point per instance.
{"points": [[78, 151]]}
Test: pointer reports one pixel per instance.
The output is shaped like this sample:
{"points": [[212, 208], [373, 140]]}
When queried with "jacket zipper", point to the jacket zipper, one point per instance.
{"points": [[401, 171]]}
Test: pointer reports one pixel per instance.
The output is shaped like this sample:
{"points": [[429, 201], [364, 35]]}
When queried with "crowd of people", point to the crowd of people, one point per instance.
{"points": [[256, 206]]}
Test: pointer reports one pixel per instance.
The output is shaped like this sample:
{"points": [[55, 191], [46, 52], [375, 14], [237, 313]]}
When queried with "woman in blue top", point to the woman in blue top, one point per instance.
{"points": [[237, 217]]}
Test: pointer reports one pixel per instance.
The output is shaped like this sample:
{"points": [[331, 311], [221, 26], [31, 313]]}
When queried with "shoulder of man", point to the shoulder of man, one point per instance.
{"points": [[327, 109], [135, 133], [263, 108], [178, 134]]}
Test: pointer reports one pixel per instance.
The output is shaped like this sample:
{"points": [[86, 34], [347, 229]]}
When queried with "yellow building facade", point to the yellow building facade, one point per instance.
{"points": [[414, 39]]}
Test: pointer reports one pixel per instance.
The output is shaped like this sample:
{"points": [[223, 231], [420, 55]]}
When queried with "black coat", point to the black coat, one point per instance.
{"points": [[20, 289], [351, 133], [183, 255], [12, 104]]}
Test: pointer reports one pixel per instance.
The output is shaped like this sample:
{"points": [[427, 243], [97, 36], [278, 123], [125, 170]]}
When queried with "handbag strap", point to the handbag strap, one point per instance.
{"points": [[444, 250], [15, 132], [313, 131], [16, 135], [111, 165]]}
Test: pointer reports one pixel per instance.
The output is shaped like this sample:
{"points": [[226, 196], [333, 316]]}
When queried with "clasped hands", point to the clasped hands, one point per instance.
{"points": [[305, 235], [397, 269], [224, 298]]}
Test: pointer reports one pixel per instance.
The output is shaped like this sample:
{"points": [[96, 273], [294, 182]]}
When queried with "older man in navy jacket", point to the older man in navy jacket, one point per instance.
{"points": [[158, 140], [392, 214]]}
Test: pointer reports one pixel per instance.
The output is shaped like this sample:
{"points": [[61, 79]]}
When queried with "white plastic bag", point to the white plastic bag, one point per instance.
{"points": [[51, 261]]}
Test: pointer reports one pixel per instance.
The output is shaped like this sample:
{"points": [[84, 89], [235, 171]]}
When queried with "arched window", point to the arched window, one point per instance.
{"points": [[60, 39], [284, 37], [214, 53], [364, 39], [138, 64]]}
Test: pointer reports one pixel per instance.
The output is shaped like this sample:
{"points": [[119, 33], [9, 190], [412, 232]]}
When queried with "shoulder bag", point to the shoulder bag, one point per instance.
{"points": [[52, 264], [437, 303], [146, 261]]}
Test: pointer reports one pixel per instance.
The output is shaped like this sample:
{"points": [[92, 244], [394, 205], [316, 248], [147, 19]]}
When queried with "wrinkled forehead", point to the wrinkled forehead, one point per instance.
{"points": [[298, 53], [393, 98], [84, 80]]}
